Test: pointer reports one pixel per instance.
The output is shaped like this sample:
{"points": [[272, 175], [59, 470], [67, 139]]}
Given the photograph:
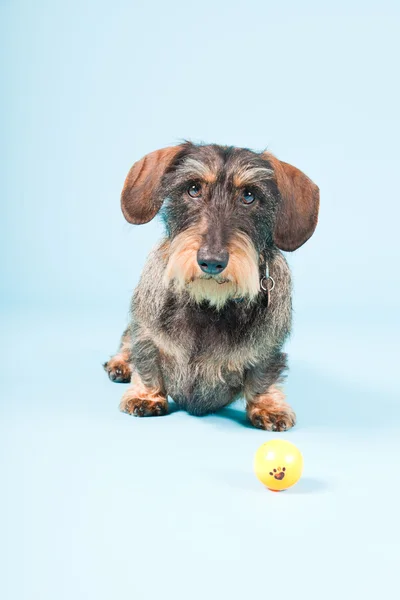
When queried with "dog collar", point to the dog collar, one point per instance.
{"points": [[264, 280], [265, 287]]}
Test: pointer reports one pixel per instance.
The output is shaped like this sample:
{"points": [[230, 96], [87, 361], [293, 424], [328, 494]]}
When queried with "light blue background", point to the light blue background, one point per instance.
{"points": [[95, 505]]}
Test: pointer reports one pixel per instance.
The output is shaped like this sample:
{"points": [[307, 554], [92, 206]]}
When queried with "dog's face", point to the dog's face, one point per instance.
{"points": [[222, 208]]}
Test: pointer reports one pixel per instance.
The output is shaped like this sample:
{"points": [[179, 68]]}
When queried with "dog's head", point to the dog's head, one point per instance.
{"points": [[222, 208]]}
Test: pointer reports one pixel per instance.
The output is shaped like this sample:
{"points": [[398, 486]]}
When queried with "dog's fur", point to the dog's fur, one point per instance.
{"points": [[206, 340]]}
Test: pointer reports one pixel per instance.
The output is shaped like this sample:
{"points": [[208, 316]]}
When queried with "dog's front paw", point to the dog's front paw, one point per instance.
{"points": [[118, 369], [277, 419], [143, 407]]}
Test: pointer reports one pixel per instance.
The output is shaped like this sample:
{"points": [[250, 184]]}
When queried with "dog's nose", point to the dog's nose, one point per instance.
{"points": [[212, 262]]}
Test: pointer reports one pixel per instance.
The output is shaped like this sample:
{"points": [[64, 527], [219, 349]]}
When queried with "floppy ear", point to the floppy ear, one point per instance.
{"points": [[297, 214], [139, 199]]}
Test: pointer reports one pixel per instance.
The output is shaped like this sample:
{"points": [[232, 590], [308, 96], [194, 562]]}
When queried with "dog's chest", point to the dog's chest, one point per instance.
{"points": [[206, 342]]}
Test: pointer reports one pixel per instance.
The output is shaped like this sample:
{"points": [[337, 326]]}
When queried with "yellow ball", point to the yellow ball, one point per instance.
{"points": [[278, 464]]}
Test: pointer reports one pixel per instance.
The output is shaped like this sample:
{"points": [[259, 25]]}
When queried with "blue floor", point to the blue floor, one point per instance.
{"points": [[98, 505]]}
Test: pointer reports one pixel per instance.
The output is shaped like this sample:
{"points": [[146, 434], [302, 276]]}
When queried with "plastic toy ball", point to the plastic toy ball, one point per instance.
{"points": [[278, 465]]}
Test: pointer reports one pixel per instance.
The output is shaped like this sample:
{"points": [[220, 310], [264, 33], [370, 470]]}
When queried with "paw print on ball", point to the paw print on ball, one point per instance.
{"points": [[278, 473]]}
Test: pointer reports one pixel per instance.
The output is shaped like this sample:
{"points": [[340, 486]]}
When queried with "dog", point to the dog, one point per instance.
{"points": [[212, 310]]}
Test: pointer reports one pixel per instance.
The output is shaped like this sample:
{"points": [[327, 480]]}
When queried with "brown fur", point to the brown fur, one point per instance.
{"points": [[297, 217], [246, 176], [119, 367], [182, 266], [240, 278], [270, 411], [143, 401], [137, 198], [198, 170]]}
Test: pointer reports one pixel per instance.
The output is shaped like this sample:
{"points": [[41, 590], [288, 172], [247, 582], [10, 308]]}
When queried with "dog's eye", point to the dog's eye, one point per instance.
{"points": [[194, 190], [247, 197]]}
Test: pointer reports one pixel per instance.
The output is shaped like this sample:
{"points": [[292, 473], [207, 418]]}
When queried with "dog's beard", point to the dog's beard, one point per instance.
{"points": [[240, 279]]}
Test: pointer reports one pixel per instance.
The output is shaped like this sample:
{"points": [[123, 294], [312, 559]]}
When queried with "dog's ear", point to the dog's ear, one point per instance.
{"points": [[297, 214], [140, 201]]}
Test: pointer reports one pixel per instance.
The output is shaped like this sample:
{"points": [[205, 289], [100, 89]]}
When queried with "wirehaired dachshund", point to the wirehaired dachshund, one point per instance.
{"points": [[212, 309]]}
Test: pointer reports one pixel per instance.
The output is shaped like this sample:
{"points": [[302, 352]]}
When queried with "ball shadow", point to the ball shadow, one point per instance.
{"points": [[308, 485]]}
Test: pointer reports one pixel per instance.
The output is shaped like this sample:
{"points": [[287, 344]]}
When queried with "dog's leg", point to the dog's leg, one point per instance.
{"points": [[119, 367], [265, 402], [146, 396], [143, 401]]}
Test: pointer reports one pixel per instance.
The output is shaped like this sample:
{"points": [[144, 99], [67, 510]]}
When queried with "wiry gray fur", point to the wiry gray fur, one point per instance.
{"points": [[204, 364], [202, 355]]}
